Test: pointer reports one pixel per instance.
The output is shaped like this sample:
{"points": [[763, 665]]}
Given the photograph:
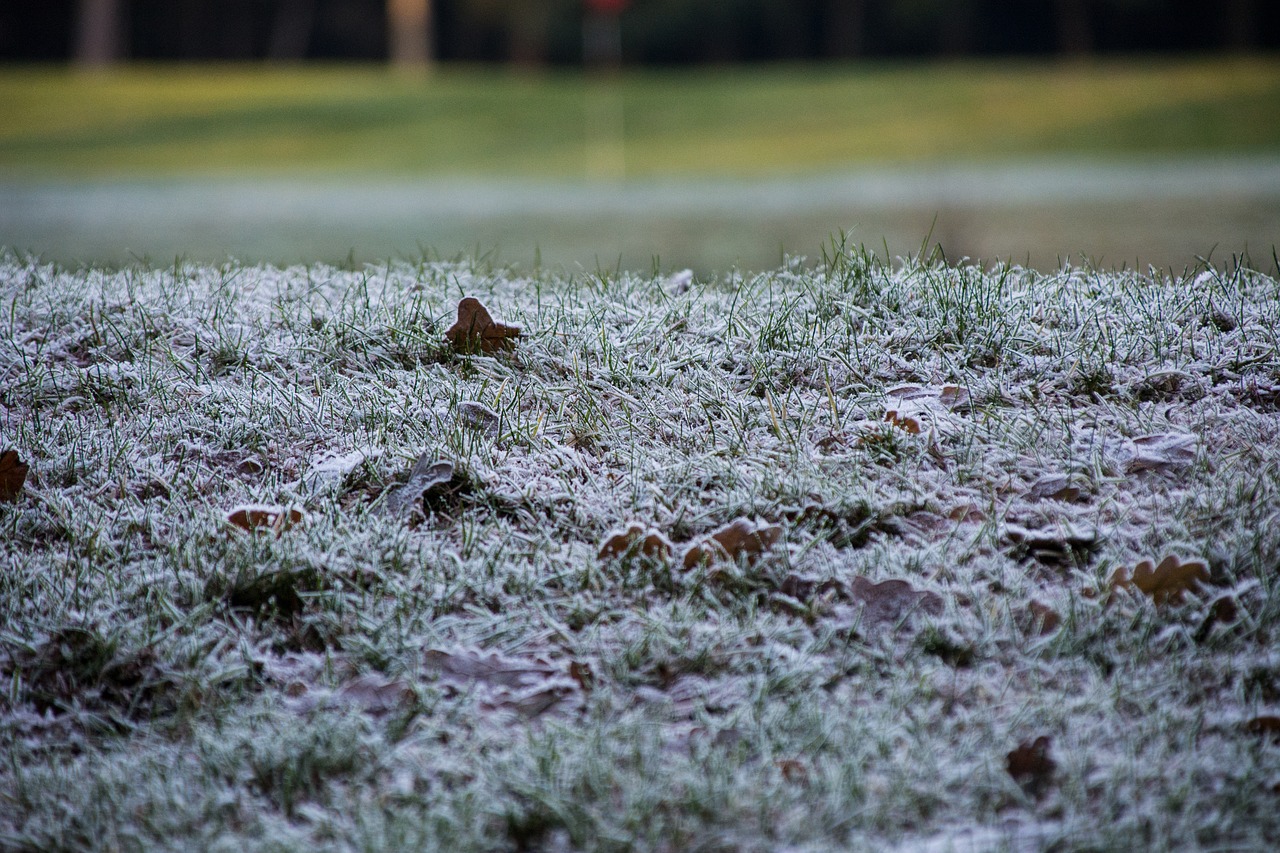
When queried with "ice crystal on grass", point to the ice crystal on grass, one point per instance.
{"points": [[930, 473]]}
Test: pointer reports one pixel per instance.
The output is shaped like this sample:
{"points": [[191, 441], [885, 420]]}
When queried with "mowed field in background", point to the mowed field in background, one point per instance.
{"points": [[180, 131]]}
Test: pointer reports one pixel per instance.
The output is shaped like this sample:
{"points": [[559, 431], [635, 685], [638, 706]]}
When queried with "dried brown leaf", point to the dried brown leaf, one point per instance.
{"points": [[254, 517], [741, 537], [13, 473], [903, 421], [1165, 583], [636, 539], [1031, 766], [475, 330], [889, 602], [1040, 618], [1266, 724], [793, 771]]}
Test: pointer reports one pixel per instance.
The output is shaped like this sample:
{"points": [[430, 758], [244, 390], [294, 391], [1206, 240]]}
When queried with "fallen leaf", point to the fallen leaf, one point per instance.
{"points": [[13, 473], [376, 694], [638, 540], [902, 421], [890, 602], [1040, 618], [404, 501], [276, 519], [739, 538], [967, 513], [950, 396], [1267, 724], [1166, 582], [953, 396], [1162, 452], [1031, 766], [476, 331], [479, 417], [793, 771], [528, 687], [1223, 614], [1058, 487]]}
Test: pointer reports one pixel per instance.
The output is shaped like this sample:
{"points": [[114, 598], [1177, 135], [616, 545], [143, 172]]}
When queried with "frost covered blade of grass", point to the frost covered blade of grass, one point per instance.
{"points": [[935, 475]]}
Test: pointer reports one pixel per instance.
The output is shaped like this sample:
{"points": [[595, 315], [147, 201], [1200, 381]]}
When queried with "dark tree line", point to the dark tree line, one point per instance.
{"points": [[532, 32]]}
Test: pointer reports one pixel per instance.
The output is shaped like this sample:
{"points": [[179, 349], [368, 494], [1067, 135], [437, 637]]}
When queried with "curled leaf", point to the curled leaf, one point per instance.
{"points": [[1166, 582], [476, 331], [13, 473], [739, 538], [254, 517], [639, 540], [404, 501]]}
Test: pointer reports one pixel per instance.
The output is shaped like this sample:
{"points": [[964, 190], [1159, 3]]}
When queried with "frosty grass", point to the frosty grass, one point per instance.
{"points": [[469, 675]]}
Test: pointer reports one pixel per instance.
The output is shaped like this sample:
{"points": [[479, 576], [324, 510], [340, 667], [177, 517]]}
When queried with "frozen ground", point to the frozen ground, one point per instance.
{"points": [[1163, 212], [952, 477]]}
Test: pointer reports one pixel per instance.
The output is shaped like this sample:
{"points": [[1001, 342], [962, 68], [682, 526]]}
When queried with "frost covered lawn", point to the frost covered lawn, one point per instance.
{"points": [[929, 629]]}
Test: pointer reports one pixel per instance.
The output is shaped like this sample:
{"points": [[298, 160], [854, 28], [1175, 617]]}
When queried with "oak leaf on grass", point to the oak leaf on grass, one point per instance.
{"points": [[1166, 582], [475, 330], [13, 473]]}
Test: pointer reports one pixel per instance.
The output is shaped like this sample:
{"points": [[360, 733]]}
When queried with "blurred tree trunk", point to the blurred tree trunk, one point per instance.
{"points": [[291, 30], [844, 26], [1075, 27], [409, 32], [99, 33], [1238, 25]]}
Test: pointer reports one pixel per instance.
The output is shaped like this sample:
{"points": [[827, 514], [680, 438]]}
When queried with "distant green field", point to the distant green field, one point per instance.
{"points": [[169, 120]]}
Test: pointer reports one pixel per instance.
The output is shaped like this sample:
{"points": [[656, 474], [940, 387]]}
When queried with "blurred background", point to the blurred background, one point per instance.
{"points": [[644, 134]]}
